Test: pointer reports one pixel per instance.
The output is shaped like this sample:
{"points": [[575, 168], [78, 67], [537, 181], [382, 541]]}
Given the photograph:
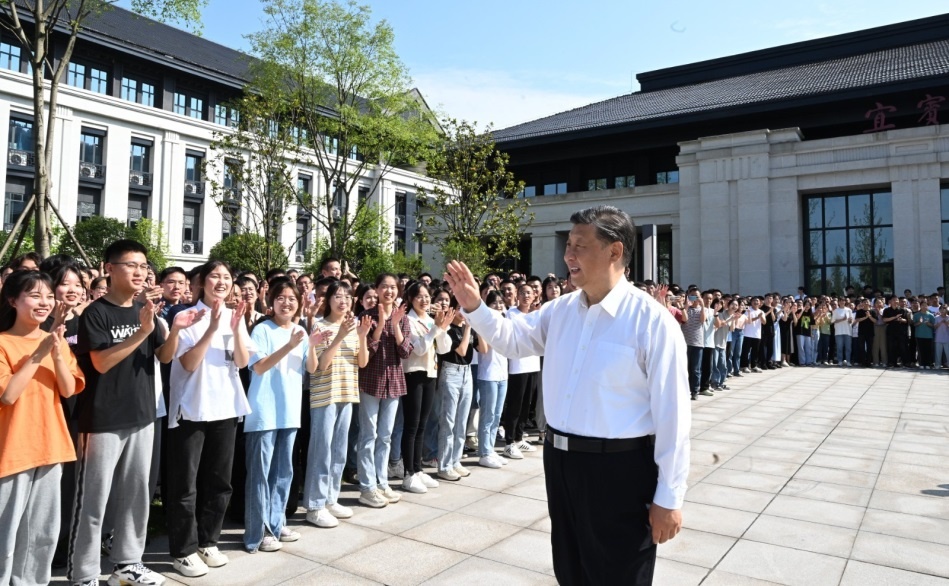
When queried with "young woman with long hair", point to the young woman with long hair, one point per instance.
{"points": [[334, 389], [429, 336], [37, 370]]}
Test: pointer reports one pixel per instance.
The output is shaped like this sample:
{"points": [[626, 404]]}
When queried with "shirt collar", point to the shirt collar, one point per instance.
{"points": [[610, 303]]}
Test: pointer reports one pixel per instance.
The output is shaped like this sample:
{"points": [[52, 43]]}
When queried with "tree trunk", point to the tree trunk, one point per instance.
{"points": [[41, 158]]}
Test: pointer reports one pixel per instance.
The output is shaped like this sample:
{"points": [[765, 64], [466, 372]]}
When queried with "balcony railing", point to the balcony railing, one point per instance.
{"points": [[192, 247], [194, 188], [18, 158], [91, 171], [140, 179]]}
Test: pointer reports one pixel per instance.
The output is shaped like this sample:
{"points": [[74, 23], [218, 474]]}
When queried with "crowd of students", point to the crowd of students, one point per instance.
{"points": [[218, 392], [729, 335]]}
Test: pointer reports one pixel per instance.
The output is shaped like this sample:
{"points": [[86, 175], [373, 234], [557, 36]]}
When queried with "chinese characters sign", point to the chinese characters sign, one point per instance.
{"points": [[928, 107]]}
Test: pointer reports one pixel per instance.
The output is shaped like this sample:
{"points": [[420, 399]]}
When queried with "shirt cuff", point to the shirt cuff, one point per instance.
{"points": [[480, 315], [669, 497]]}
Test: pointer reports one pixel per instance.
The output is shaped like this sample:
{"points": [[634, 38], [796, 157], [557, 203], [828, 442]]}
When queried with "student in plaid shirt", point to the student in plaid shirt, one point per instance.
{"points": [[381, 383]]}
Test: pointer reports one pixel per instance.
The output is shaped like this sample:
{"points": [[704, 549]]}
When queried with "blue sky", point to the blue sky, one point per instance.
{"points": [[516, 60]]}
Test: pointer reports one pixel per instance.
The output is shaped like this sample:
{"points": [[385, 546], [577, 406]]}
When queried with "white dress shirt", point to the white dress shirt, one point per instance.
{"points": [[616, 369]]}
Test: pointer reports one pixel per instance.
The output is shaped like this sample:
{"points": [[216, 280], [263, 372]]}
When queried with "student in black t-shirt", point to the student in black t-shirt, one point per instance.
{"points": [[897, 324], [118, 340]]}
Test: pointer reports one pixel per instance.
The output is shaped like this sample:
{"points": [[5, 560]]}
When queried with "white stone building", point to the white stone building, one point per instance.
{"points": [[137, 114]]}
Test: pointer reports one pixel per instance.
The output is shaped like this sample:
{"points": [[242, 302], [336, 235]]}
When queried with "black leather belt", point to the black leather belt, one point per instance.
{"points": [[572, 443]]}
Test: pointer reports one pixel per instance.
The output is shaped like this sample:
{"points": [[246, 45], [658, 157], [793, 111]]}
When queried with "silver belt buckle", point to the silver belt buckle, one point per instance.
{"points": [[561, 442]]}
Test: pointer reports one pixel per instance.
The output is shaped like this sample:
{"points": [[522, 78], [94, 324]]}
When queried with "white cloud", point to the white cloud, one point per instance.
{"points": [[500, 97]]}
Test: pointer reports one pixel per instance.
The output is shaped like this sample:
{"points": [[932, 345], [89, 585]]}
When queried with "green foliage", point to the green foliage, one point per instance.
{"points": [[344, 89], [473, 206], [180, 12], [410, 264], [249, 252], [96, 233]]}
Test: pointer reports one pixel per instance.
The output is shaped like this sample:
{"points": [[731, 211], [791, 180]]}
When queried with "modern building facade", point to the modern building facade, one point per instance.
{"points": [[138, 110], [822, 164]]}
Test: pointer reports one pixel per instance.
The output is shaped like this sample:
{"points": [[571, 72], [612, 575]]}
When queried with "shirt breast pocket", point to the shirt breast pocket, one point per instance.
{"points": [[613, 365]]}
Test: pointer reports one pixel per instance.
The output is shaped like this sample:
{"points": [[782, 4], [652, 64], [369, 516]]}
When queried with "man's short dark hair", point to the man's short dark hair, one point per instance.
{"points": [[612, 225], [272, 273], [171, 271], [327, 261], [124, 246]]}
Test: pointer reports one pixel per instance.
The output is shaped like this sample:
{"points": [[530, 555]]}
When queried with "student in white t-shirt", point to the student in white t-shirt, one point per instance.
{"points": [[842, 319], [207, 399]]}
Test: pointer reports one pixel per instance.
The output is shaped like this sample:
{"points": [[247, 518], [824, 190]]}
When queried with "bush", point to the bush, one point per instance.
{"points": [[249, 252], [96, 233]]}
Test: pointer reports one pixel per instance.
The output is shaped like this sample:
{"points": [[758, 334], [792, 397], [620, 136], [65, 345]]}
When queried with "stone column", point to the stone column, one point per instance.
{"points": [[650, 252]]}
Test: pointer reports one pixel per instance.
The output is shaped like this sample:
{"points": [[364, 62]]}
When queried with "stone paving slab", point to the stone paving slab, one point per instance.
{"points": [[805, 476]]}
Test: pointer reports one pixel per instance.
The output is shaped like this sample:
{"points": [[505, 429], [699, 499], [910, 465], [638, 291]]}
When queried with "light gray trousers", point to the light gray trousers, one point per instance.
{"points": [[29, 525], [111, 475]]}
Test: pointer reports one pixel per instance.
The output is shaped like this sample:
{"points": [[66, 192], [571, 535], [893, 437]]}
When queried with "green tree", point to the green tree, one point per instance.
{"points": [[249, 252], [348, 103], [35, 25], [152, 235], [251, 177], [473, 207], [94, 234]]}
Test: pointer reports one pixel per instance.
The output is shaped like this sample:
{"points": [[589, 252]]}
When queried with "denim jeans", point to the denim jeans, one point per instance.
{"points": [[395, 454], [805, 350], [844, 342], [491, 394], [269, 474], [719, 368], [376, 419], [455, 389], [734, 361], [326, 454], [694, 356]]}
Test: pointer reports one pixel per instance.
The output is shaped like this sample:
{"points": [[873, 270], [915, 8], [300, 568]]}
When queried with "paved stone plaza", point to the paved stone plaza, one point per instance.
{"points": [[799, 476]]}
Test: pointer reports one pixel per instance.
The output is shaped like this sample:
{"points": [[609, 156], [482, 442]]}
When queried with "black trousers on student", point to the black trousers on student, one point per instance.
{"points": [[897, 346], [926, 352], [749, 352], [416, 407], [597, 538], [517, 406], [199, 483], [765, 348]]}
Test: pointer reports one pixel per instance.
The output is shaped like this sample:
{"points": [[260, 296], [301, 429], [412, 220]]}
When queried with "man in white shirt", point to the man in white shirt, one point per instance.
{"points": [[842, 317], [617, 403]]}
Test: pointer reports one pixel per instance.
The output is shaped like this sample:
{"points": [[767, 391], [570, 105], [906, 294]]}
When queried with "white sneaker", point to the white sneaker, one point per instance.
{"points": [[525, 446], [498, 458], [433, 463], [270, 543], [412, 483], [489, 462], [339, 511], [427, 480], [212, 556], [322, 518], [512, 452], [462, 471], [191, 566], [288, 535], [471, 444], [785, 363], [135, 575], [372, 498], [389, 494], [449, 475]]}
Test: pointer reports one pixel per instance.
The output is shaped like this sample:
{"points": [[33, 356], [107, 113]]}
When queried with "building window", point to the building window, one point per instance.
{"points": [[529, 191], [944, 195], [555, 188], [13, 208], [667, 177], [626, 181], [137, 209], [90, 156], [664, 257], [139, 92], [88, 78], [401, 208], [363, 195], [848, 240], [596, 184], [10, 57], [189, 105], [140, 158], [331, 144], [21, 135], [226, 116], [191, 228], [88, 204], [230, 221], [303, 240]]}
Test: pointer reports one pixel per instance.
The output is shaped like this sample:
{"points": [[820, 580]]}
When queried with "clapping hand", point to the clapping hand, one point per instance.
{"points": [[296, 337], [216, 308], [397, 314], [365, 324], [239, 312], [443, 319], [60, 312], [186, 319], [147, 315], [319, 337]]}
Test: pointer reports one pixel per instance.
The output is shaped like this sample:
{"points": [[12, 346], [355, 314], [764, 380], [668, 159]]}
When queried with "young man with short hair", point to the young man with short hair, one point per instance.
{"points": [[842, 319], [118, 341]]}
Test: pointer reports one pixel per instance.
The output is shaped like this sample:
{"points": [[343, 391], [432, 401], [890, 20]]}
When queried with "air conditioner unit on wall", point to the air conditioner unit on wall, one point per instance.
{"points": [[399, 220], [187, 247], [136, 179], [87, 170], [189, 188], [17, 159], [335, 212], [300, 258]]}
